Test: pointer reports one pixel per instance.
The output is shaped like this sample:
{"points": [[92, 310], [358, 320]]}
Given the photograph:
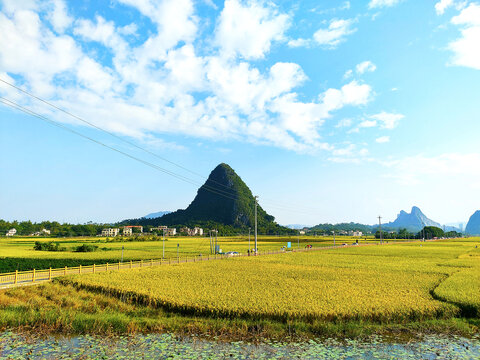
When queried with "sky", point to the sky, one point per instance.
{"points": [[330, 111]]}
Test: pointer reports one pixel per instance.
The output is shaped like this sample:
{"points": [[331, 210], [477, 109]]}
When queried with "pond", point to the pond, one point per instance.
{"points": [[166, 346]]}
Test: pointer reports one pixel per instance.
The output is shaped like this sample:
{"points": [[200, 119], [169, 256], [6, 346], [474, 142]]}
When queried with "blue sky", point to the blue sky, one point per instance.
{"points": [[330, 111]]}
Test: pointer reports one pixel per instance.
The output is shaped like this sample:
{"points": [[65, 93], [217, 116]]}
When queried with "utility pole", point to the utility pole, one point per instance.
{"points": [[216, 240], [333, 238], [178, 249], [423, 224], [256, 202], [163, 231], [380, 229], [249, 239], [122, 253], [211, 247]]}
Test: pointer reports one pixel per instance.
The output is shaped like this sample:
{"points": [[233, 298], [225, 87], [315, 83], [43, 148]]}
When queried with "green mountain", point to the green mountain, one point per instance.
{"points": [[224, 199]]}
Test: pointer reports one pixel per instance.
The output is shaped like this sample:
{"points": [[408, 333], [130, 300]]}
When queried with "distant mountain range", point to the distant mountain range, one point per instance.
{"points": [[473, 226], [297, 226], [156, 214], [413, 221]]}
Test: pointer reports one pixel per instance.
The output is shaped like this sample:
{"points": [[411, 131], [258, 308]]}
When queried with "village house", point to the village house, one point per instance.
{"points": [[41, 232], [192, 232], [161, 228], [128, 230], [171, 232], [110, 232], [11, 232]]}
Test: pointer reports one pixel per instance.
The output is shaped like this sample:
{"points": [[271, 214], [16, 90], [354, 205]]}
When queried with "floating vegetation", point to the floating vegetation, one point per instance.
{"points": [[167, 346]]}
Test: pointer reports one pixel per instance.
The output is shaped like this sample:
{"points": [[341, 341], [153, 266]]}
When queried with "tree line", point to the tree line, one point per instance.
{"points": [[428, 232]]}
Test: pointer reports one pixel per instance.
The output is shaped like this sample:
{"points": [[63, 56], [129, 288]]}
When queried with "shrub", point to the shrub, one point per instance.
{"points": [[86, 248], [48, 246]]}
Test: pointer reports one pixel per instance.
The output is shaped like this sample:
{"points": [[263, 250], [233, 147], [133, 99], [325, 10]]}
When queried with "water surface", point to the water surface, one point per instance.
{"points": [[166, 346]]}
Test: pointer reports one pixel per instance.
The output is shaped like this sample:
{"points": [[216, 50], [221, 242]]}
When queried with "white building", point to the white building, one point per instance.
{"points": [[171, 232], [128, 230], [11, 232], [357, 233], [161, 228], [110, 232], [192, 232], [41, 232]]}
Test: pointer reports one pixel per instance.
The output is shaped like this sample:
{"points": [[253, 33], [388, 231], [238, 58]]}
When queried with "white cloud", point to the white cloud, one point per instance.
{"points": [[248, 29], [335, 34], [442, 5], [383, 139], [352, 93], [299, 43], [466, 49], [388, 120], [367, 124], [348, 74], [366, 66], [420, 168], [59, 17], [382, 3], [149, 87], [344, 123]]}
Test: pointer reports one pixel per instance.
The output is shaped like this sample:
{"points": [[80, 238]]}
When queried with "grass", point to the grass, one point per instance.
{"points": [[350, 292]]}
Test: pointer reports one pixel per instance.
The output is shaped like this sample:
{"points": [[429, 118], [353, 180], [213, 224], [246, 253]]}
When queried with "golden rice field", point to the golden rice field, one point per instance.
{"points": [[398, 282], [17, 253]]}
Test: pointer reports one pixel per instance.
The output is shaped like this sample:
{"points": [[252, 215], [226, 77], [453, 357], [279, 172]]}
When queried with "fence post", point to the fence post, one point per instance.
{"points": [[65, 271], [94, 268], [49, 273], [33, 277], [151, 262], [107, 266], [130, 264], [80, 269], [141, 263], [16, 277]]}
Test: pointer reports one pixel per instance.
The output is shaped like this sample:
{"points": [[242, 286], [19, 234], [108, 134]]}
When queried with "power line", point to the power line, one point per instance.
{"points": [[154, 166], [208, 188], [272, 203]]}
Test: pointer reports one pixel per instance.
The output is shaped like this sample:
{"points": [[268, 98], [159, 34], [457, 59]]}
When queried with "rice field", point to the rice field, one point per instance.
{"points": [[398, 282], [17, 253]]}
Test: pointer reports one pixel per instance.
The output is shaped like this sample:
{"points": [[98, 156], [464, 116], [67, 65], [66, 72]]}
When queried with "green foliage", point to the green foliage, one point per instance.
{"points": [[48, 246], [431, 232], [9, 264], [328, 228], [56, 229], [86, 248]]}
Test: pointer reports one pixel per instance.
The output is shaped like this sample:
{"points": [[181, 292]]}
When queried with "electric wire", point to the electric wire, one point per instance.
{"points": [[272, 203], [215, 191], [19, 107]]}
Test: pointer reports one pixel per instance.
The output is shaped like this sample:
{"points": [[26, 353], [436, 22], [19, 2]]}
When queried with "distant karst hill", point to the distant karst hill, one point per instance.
{"points": [[413, 221], [473, 226], [223, 199], [156, 214]]}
